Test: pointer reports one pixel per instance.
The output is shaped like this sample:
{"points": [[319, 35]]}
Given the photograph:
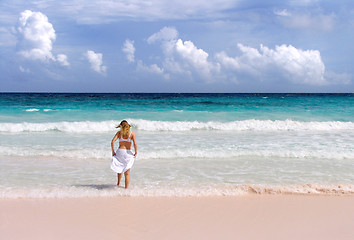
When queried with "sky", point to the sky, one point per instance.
{"points": [[177, 46]]}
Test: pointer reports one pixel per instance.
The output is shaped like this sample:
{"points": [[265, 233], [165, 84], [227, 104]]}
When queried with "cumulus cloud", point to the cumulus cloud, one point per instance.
{"points": [[283, 63], [95, 60], [228, 62], [196, 58], [165, 34], [184, 57], [299, 66], [36, 36], [129, 50]]}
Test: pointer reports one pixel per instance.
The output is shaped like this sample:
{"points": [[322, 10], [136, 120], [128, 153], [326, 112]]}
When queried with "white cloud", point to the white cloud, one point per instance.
{"points": [[228, 62], [165, 34], [296, 65], [129, 50], [196, 58], [175, 67], [63, 60], [153, 68], [283, 63], [36, 36], [184, 57], [95, 60]]}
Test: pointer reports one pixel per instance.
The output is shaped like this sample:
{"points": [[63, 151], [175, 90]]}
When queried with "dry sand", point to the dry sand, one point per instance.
{"points": [[243, 217]]}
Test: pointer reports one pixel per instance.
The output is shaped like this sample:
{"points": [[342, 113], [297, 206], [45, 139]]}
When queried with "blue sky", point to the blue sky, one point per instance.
{"points": [[177, 46]]}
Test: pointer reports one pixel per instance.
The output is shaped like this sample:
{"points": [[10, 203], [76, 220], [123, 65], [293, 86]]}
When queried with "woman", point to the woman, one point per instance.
{"points": [[123, 159]]}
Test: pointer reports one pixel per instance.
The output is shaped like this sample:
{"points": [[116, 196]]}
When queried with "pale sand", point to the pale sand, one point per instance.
{"points": [[244, 217]]}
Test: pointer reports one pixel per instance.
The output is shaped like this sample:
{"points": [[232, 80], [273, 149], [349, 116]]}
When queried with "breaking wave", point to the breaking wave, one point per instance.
{"points": [[75, 153], [175, 126]]}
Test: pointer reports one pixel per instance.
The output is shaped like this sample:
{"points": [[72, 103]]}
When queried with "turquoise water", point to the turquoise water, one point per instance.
{"points": [[189, 144], [176, 107]]}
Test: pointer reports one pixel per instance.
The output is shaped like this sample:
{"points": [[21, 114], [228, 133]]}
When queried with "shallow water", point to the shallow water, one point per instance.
{"points": [[58, 145]]}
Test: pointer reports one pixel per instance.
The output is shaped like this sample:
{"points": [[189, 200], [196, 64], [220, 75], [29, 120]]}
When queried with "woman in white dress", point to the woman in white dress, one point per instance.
{"points": [[123, 158]]}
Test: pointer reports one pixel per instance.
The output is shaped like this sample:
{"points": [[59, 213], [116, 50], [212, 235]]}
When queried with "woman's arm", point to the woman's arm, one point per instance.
{"points": [[112, 143], [135, 144]]}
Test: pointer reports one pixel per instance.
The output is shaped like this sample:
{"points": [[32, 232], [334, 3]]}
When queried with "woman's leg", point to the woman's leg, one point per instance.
{"points": [[119, 178], [127, 178]]}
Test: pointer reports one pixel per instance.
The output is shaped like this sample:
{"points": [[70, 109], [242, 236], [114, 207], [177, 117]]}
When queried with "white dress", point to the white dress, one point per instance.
{"points": [[122, 161], [124, 158]]}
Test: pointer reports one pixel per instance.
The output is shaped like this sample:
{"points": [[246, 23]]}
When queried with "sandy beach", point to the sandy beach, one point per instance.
{"points": [[240, 217]]}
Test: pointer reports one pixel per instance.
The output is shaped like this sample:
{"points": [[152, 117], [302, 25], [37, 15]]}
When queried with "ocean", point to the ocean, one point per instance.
{"points": [[58, 144]]}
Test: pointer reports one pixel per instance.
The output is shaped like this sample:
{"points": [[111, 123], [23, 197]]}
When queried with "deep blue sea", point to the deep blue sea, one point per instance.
{"points": [[58, 144]]}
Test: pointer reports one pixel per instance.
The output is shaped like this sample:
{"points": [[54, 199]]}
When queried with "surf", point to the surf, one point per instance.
{"points": [[177, 126]]}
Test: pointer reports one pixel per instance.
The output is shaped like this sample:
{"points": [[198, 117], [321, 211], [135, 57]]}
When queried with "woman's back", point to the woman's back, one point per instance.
{"points": [[125, 143]]}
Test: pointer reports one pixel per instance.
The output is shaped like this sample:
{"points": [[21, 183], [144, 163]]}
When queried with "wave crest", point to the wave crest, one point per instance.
{"points": [[64, 152], [75, 127], [244, 125], [176, 126]]}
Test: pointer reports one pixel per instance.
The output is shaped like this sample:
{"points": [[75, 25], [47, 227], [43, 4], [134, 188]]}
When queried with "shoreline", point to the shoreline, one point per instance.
{"points": [[229, 217], [242, 190]]}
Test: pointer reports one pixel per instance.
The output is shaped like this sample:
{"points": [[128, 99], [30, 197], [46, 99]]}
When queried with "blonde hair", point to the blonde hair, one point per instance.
{"points": [[124, 128]]}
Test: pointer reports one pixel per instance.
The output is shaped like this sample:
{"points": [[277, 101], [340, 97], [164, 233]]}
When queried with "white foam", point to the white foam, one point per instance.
{"points": [[59, 152], [245, 125], [105, 190], [75, 127], [177, 126], [205, 153], [235, 153], [32, 110]]}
